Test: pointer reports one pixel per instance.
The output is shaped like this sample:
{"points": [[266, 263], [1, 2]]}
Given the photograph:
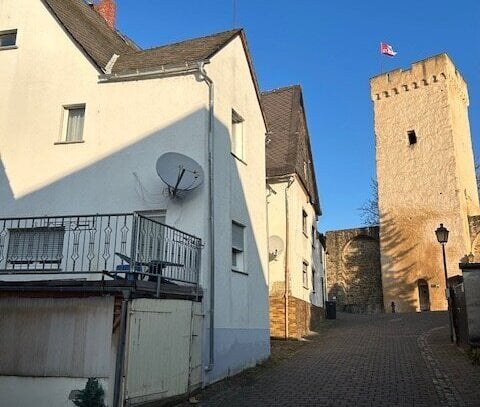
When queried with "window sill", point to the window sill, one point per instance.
{"points": [[238, 158], [306, 288], [8, 47], [240, 272], [304, 234], [69, 142]]}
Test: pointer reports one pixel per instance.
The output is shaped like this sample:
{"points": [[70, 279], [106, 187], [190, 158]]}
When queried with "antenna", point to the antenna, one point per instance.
{"points": [[179, 172], [234, 12]]}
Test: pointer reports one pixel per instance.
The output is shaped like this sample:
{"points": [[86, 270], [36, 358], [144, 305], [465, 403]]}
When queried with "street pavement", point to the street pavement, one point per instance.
{"points": [[360, 360]]}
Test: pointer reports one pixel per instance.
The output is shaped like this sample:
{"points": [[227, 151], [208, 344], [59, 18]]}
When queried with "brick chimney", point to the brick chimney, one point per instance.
{"points": [[108, 10]]}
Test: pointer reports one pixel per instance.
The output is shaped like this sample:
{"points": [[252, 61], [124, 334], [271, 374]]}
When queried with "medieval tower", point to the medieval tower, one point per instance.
{"points": [[426, 176]]}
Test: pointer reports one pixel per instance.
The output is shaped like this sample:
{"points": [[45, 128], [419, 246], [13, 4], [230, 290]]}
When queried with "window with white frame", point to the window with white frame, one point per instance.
{"points": [[305, 274], [238, 247], [238, 136], [40, 247], [73, 123], [8, 39]]}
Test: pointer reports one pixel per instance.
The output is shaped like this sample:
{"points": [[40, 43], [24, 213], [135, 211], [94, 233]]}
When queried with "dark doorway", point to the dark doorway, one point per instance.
{"points": [[423, 295]]}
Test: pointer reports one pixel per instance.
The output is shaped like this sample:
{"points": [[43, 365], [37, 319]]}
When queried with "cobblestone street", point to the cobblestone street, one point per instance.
{"points": [[360, 360]]}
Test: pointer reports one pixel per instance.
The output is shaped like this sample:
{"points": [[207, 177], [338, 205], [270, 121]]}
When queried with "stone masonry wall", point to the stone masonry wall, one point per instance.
{"points": [[353, 269], [303, 317]]}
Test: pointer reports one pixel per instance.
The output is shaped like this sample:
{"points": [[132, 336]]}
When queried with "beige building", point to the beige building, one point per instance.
{"points": [[426, 176], [296, 271]]}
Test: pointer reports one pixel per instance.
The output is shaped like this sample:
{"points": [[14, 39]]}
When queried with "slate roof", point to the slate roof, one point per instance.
{"points": [[90, 31], [289, 146]]}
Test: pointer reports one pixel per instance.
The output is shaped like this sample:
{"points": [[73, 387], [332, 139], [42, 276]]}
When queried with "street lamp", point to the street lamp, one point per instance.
{"points": [[442, 237]]}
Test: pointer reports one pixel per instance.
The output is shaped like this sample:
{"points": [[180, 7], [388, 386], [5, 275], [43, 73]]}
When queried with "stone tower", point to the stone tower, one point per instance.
{"points": [[426, 176]]}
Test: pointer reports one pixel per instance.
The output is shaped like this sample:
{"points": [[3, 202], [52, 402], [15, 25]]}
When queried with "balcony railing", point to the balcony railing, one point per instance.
{"points": [[126, 245]]}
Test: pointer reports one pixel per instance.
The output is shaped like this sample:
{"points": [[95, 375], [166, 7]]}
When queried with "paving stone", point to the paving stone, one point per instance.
{"points": [[361, 360]]}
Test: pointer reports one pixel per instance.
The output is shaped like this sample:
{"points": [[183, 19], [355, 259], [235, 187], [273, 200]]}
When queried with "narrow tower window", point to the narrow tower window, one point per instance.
{"points": [[412, 137]]}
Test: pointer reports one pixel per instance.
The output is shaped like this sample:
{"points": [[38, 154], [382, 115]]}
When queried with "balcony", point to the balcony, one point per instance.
{"points": [[124, 249]]}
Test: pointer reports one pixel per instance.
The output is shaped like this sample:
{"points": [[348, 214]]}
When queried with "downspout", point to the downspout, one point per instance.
{"points": [[287, 270], [120, 361], [211, 213]]}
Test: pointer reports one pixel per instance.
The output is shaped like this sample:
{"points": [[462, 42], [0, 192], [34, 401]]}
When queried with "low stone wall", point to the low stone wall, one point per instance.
{"points": [[354, 274], [303, 317]]}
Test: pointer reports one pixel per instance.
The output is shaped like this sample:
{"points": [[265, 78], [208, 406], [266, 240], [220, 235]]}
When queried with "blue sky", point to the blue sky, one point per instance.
{"points": [[331, 49]]}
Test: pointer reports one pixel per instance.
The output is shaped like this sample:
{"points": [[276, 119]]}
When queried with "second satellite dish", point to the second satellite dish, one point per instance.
{"points": [[275, 246], [179, 172]]}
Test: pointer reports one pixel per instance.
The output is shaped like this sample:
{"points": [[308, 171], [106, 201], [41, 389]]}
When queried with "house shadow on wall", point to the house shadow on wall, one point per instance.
{"points": [[399, 266], [126, 180]]}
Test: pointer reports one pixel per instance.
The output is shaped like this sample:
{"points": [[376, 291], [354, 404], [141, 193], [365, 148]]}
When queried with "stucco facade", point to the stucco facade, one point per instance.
{"points": [[128, 125], [426, 176], [294, 296]]}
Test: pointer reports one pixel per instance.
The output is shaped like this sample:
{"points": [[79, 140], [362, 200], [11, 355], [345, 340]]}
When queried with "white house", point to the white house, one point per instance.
{"points": [[296, 279], [84, 116]]}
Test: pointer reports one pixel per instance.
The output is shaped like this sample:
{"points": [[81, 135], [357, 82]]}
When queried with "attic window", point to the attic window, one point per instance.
{"points": [[412, 137], [8, 39]]}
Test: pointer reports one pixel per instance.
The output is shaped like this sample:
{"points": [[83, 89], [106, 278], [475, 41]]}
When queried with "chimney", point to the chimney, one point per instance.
{"points": [[108, 10]]}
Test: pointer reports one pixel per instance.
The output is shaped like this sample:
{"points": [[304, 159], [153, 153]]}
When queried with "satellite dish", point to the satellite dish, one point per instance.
{"points": [[275, 245], [179, 172]]}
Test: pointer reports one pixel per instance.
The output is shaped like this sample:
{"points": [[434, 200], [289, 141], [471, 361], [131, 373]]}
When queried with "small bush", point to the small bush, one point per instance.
{"points": [[91, 396]]}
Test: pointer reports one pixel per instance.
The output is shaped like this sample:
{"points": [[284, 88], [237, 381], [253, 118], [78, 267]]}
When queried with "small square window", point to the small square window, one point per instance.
{"points": [[74, 119], [305, 274], [237, 135], [8, 38], [238, 247], [412, 137]]}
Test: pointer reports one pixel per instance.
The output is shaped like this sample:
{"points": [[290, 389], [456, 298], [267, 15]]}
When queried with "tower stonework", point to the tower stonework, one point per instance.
{"points": [[426, 176]]}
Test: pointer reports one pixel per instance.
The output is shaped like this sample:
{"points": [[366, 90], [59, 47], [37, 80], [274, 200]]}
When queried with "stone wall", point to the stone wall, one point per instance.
{"points": [[353, 270], [303, 317]]}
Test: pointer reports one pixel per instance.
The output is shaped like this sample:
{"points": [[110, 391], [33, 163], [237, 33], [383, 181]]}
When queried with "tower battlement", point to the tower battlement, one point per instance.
{"points": [[430, 71]]}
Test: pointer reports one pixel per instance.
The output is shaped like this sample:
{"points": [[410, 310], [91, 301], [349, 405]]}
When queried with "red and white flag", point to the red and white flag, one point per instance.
{"points": [[386, 49]]}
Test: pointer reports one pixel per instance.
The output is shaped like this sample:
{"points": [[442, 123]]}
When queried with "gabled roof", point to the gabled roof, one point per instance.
{"points": [[90, 31], [289, 146], [180, 53]]}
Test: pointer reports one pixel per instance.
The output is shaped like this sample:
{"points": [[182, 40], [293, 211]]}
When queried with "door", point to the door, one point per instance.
{"points": [[423, 295]]}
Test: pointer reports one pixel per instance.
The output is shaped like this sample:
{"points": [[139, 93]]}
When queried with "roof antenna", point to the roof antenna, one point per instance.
{"points": [[234, 12]]}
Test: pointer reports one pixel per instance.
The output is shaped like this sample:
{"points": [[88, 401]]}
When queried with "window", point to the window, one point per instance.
{"points": [[32, 248], [412, 137], [305, 274], [313, 280], [237, 135], [238, 247], [313, 236], [8, 39], [74, 118], [304, 222]]}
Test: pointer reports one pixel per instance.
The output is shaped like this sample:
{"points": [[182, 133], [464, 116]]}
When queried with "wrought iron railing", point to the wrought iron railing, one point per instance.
{"points": [[126, 245]]}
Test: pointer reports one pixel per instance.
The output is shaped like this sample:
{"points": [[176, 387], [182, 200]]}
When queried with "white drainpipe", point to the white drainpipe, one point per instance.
{"points": [[211, 123]]}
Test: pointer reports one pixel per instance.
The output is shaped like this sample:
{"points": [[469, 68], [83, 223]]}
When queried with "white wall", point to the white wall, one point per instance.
{"points": [[241, 318], [300, 246], [128, 125]]}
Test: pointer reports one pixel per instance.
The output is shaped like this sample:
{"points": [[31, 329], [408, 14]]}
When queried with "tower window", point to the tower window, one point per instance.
{"points": [[412, 137]]}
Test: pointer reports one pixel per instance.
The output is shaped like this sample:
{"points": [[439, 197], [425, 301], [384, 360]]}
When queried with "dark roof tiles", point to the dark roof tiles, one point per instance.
{"points": [[100, 42], [288, 149]]}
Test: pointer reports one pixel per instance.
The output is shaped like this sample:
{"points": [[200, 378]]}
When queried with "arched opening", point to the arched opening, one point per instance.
{"points": [[423, 295]]}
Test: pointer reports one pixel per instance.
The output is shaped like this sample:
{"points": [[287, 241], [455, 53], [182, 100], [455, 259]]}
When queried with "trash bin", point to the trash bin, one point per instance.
{"points": [[330, 310]]}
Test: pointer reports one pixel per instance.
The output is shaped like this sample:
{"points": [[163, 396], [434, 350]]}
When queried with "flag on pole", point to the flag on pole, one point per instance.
{"points": [[386, 49]]}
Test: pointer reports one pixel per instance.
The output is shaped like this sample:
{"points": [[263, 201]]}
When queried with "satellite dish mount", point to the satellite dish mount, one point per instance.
{"points": [[179, 172]]}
